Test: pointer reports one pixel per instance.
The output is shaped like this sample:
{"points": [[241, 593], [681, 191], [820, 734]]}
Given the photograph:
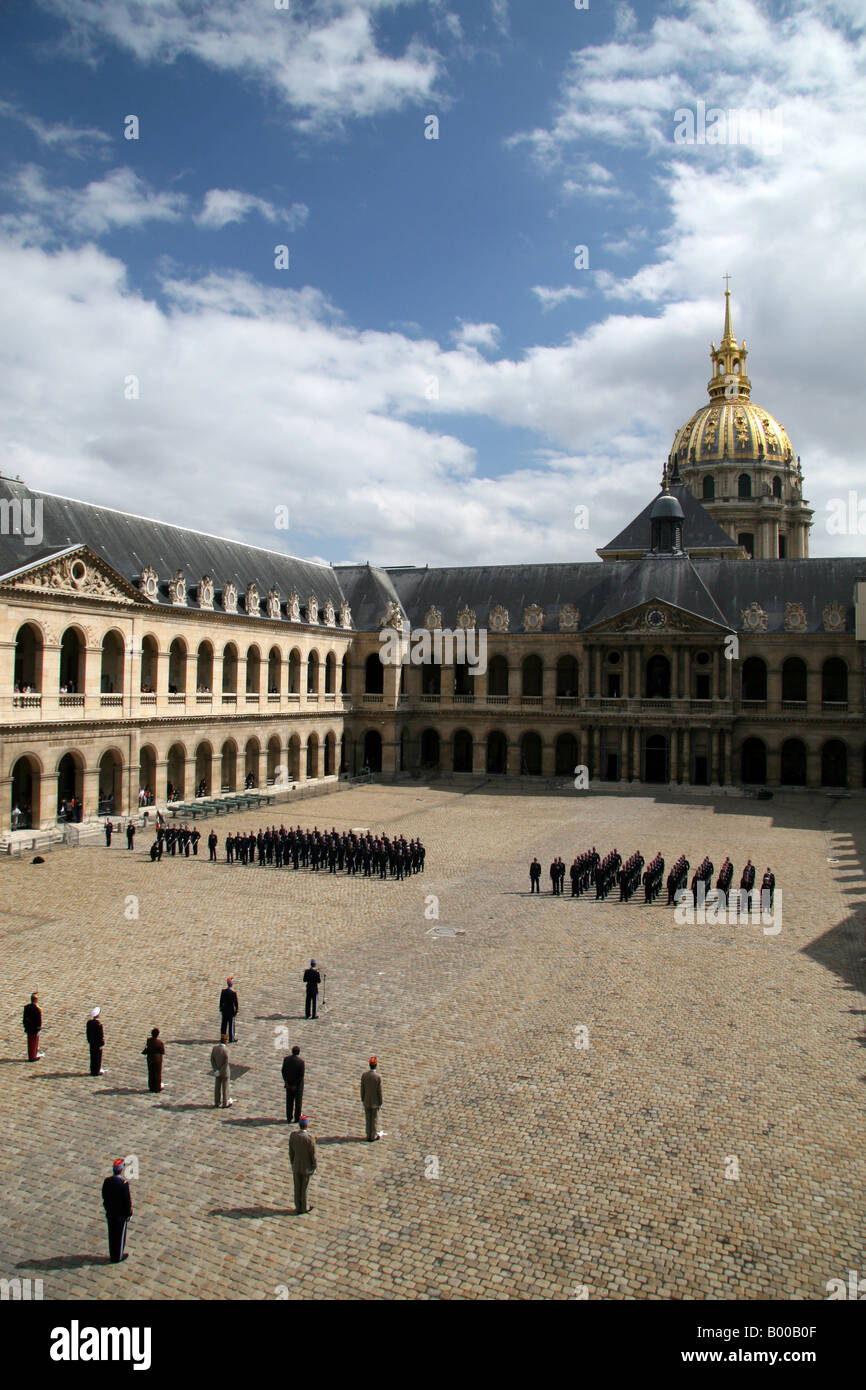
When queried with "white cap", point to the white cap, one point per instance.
{"points": [[94, 1013]]}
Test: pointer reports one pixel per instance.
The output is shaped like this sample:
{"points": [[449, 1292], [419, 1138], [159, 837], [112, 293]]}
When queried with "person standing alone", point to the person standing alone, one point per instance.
{"points": [[312, 980], [293, 1080], [302, 1155], [95, 1034], [32, 1020], [117, 1201], [219, 1060], [228, 1009], [371, 1099]]}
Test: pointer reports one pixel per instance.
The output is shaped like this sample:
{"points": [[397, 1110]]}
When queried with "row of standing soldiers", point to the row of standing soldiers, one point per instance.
{"points": [[174, 839], [329, 850]]}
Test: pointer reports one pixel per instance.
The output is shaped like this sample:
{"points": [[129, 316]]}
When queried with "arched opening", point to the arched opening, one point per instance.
{"points": [[313, 673], [567, 754], [374, 675], [176, 772], [430, 752], [330, 674], [313, 755], [344, 753], [532, 676], [252, 754], [294, 672], [295, 757], [275, 659], [462, 751], [72, 662], [744, 485], [709, 487], [497, 752], [110, 784], [26, 791], [146, 775], [658, 678], [111, 668], [204, 669], [203, 769], [230, 669], [70, 786], [567, 676], [177, 667], [834, 681], [777, 487], [753, 760], [463, 681], [834, 764], [530, 755], [330, 753], [229, 766], [655, 758], [149, 665], [747, 540], [373, 748], [27, 677], [344, 678], [754, 679], [254, 671], [794, 679], [793, 765], [273, 757], [497, 676], [431, 678]]}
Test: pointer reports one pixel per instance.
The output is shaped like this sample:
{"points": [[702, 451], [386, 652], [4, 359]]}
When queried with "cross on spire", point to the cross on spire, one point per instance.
{"points": [[726, 279]]}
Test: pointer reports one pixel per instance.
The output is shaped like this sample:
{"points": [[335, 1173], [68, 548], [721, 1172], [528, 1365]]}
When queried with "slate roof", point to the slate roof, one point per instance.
{"points": [[700, 531], [129, 543]]}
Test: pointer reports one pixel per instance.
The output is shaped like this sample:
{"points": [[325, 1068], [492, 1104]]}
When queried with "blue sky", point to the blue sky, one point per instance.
{"points": [[431, 379]]}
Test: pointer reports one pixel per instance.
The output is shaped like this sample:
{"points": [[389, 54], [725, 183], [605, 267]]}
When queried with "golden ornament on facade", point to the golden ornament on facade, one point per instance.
{"points": [[569, 618], [466, 617], [230, 598], [533, 618], [835, 616], [754, 619], [795, 618], [433, 618], [499, 618]]}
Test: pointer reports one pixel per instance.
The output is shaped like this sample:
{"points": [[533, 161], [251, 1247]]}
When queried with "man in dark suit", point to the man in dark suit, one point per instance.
{"points": [[95, 1035], [117, 1200], [293, 1080], [212, 846], [108, 829], [302, 1156], [228, 1009], [371, 1099], [130, 836], [535, 877], [312, 980]]}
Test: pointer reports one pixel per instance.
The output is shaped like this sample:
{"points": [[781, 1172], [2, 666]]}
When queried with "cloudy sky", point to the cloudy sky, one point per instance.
{"points": [[285, 294]]}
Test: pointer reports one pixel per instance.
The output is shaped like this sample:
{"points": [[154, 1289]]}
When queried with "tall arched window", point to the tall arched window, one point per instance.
{"points": [[709, 489], [744, 485]]}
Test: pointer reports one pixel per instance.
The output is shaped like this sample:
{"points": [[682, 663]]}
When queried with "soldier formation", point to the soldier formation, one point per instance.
{"points": [[331, 851], [589, 869]]}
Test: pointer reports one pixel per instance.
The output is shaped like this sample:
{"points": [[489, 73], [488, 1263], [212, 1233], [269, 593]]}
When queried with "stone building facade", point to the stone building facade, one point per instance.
{"points": [[135, 655]]}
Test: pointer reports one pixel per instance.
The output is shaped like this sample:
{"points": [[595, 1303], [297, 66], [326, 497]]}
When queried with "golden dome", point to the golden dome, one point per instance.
{"points": [[734, 431]]}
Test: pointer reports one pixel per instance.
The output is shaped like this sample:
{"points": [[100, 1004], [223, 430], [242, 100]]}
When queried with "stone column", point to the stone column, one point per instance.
{"points": [[548, 685], [92, 676], [687, 659], [191, 674], [715, 739], [686, 757], [591, 753], [90, 792], [728, 738], [596, 673], [813, 766], [774, 766], [774, 686], [512, 761]]}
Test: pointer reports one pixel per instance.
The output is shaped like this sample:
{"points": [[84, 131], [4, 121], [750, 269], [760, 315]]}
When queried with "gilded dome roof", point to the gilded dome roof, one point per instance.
{"points": [[734, 430]]}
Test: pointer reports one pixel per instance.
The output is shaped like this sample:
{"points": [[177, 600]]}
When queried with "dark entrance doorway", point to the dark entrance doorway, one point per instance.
{"points": [[656, 758]]}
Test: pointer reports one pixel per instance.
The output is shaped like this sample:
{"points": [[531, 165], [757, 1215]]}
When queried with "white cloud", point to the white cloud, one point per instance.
{"points": [[224, 205], [477, 335], [499, 10], [120, 199], [550, 298], [321, 58], [74, 140]]}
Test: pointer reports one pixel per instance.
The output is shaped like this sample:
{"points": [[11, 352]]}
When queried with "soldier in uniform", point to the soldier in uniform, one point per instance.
{"points": [[130, 836], [302, 1156], [95, 1034], [108, 830], [32, 1020], [371, 1099], [312, 980], [212, 843], [117, 1201]]}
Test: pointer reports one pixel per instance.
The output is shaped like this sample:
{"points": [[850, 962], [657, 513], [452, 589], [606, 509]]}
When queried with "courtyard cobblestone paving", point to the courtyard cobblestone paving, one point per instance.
{"points": [[560, 1168]]}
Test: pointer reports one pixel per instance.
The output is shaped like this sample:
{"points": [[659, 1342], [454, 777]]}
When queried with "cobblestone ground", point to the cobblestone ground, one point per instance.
{"points": [[559, 1167]]}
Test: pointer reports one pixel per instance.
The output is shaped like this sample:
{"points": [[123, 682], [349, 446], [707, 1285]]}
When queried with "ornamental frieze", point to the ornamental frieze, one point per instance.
{"points": [[72, 574]]}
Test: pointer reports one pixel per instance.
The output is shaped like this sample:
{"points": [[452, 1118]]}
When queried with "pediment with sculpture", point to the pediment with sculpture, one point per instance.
{"points": [[78, 573]]}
